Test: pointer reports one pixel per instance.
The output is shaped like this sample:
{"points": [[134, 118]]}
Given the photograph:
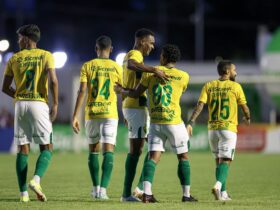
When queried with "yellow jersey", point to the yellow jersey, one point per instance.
{"points": [[131, 79], [28, 67], [101, 76], [164, 99], [223, 98]]}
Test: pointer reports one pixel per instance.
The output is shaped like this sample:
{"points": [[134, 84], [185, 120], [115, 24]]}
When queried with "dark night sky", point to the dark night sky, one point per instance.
{"points": [[230, 27]]}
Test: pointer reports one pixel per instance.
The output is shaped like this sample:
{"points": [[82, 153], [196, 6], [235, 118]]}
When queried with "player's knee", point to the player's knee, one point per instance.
{"points": [[46, 147]]}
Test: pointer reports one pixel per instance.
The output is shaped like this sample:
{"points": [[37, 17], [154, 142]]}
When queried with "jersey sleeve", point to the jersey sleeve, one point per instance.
{"points": [[49, 61], [186, 82], [83, 73], [145, 79], [241, 99], [203, 95], [135, 55], [120, 74], [8, 69]]}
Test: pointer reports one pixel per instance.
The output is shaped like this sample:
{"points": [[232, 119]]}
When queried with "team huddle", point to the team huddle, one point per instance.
{"points": [[150, 106]]}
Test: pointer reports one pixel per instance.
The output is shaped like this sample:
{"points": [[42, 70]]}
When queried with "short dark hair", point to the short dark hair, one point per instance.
{"points": [[104, 42], [143, 32], [31, 31], [171, 53], [223, 66]]}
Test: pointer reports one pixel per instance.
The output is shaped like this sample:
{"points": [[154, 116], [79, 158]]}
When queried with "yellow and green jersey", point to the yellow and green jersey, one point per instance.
{"points": [[29, 69], [101, 76], [131, 79], [223, 98], [164, 99]]}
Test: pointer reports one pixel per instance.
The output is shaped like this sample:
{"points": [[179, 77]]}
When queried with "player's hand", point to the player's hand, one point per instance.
{"points": [[161, 74], [246, 121], [189, 129], [118, 88], [53, 112], [76, 125]]}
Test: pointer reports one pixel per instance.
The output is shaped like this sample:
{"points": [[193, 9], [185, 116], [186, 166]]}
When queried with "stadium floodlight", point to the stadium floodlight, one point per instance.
{"points": [[7, 56], [120, 57], [60, 59], [4, 45]]}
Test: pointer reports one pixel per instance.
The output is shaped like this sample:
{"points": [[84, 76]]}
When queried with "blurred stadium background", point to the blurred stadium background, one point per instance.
{"points": [[246, 32]]}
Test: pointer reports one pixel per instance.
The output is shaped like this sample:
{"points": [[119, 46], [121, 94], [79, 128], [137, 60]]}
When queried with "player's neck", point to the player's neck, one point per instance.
{"points": [[224, 77], [30, 46], [138, 47], [169, 65], [103, 55]]}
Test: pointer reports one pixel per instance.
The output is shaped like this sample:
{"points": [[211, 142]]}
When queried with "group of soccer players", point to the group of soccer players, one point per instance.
{"points": [[101, 79]]}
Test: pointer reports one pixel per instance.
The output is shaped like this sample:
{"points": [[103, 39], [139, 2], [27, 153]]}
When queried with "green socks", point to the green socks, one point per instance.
{"points": [[43, 163], [184, 172], [223, 184], [93, 165], [221, 173], [130, 170], [21, 168], [149, 171], [140, 183], [107, 167]]}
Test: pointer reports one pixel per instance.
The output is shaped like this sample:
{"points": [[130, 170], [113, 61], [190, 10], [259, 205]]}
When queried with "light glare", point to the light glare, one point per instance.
{"points": [[120, 57], [60, 59], [4, 45]]}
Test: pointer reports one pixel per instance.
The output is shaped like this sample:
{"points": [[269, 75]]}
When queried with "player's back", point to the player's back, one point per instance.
{"points": [[101, 76], [164, 99], [223, 98], [28, 67]]}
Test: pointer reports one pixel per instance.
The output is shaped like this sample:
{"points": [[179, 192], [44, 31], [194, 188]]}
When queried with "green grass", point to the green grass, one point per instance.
{"points": [[253, 183]]}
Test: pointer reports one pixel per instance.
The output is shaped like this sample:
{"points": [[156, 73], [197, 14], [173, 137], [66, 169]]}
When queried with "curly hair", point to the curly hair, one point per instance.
{"points": [[171, 53]]}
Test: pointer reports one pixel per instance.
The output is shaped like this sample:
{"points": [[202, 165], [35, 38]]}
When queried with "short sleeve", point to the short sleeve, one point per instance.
{"points": [[83, 73], [203, 95], [8, 69], [135, 55], [49, 61], [119, 74], [186, 81], [241, 99]]}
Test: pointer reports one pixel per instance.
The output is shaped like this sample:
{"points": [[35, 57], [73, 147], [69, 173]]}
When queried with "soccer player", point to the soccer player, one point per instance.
{"points": [[30, 69], [98, 77], [135, 109], [166, 121], [222, 97]]}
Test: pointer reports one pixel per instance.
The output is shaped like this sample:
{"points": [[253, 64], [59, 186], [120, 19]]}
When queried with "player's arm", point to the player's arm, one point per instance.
{"points": [[133, 93], [7, 86], [78, 105], [54, 93], [246, 112], [195, 114], [135, 66]]}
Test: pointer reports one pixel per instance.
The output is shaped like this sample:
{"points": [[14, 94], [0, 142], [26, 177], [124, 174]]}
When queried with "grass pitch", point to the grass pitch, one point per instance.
{"points": [[253, 183]]}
